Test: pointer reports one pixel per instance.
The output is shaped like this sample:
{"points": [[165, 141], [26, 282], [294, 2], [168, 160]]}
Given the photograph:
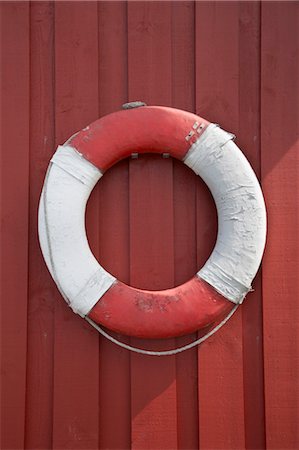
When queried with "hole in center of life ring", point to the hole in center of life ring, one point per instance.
{"points": [[151, 222]]}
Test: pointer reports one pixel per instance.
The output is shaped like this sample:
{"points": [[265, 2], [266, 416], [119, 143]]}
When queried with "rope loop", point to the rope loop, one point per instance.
{"points": [[174, 351]]}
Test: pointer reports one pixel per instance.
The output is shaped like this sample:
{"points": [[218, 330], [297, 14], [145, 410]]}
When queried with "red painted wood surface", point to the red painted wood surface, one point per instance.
{"points": [[15, 156], [75, 416], [41, 303], [280, 161], [151, 222]]}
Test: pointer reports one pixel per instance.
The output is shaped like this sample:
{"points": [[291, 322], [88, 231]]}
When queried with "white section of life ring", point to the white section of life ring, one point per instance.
{"points": [[78, 275], [241, 213]]}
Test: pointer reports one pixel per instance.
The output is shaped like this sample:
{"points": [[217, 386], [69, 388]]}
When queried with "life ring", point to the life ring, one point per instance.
{"points": [[210, 152]]}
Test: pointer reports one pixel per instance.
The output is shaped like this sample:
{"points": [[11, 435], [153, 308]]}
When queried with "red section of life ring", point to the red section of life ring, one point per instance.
{"points": [[159, 314], [149, 129]]}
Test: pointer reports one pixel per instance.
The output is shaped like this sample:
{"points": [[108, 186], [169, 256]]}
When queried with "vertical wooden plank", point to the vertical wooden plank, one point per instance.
{"points": [[113, 65], [114, 387], [153, 389], [151, 239], [42, 292], [183, 55], [221, 396], [14, 222], [184, 200], [185, 184], [149, 52], [249, 141], [113, 206], [280, 179], [76, 409]]}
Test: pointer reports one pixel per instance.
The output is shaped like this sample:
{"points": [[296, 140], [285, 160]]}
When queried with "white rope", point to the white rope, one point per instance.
{"points": [[165, 352]]}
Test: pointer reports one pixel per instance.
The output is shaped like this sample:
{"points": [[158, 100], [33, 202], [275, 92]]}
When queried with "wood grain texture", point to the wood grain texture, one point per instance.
{"points": [[42, 291], [280, 179], [76, 350], [113, 55], [114, 376], [221, 395], [14, 222], [249, 141], [151, 262], [184, 199], [185, 185], [154, 409], [149, 52], [150, 222], [113, 222]]}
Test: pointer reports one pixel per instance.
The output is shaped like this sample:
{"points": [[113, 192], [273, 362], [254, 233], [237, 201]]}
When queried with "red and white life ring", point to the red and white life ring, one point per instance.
{"points": [[210, 152]]}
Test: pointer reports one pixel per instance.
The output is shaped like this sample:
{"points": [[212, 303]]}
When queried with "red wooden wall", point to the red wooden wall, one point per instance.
{"points": [[151, 222]]}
